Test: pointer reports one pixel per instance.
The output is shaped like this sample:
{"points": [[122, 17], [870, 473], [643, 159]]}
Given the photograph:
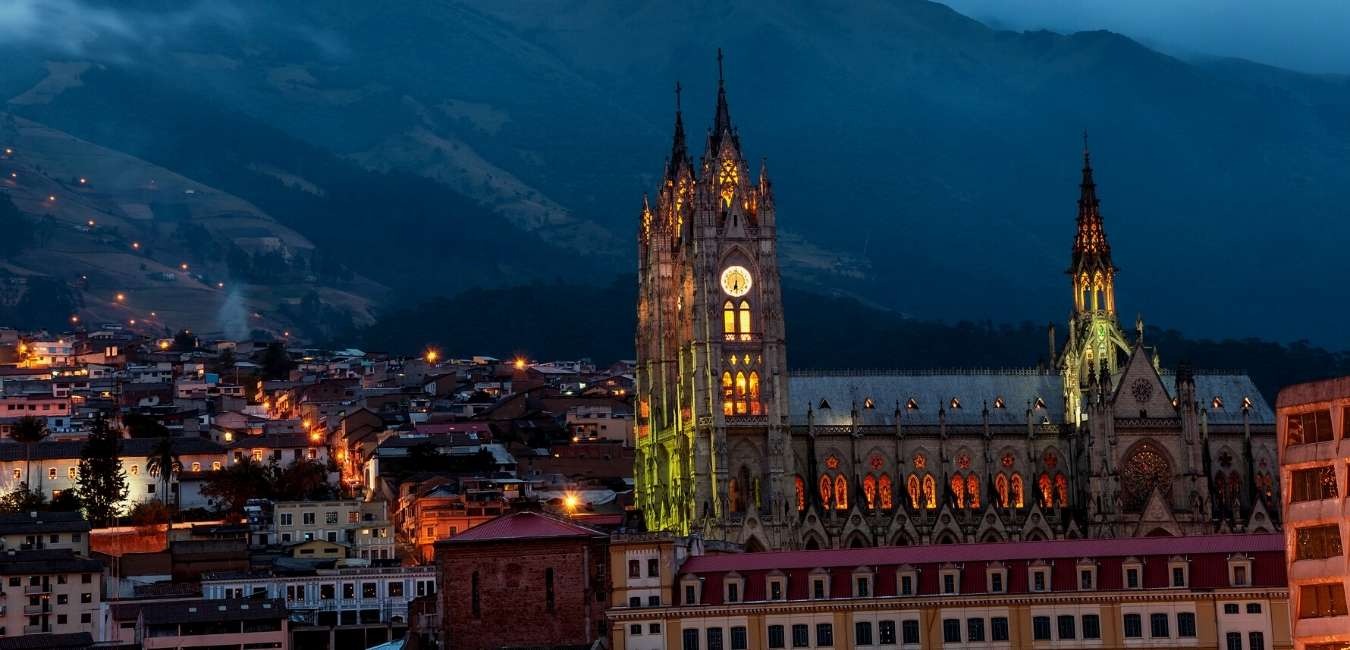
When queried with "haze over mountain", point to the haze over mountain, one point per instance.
{"points": [[923, 162]]}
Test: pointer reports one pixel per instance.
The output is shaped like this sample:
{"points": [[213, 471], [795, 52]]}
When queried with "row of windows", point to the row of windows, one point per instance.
{"points": [[1233, 608], [975, 629], [1159, 626], [35, 581], [1256, 641], [653, 568], [329, 517]]}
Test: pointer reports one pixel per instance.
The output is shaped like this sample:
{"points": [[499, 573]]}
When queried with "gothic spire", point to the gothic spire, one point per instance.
{"points": [[679, 153], [1090, 248], [722, 117]]}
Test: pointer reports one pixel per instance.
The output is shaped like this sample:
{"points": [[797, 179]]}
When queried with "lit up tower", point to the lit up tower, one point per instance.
{"points": [[1096, 342], [713, 453]]}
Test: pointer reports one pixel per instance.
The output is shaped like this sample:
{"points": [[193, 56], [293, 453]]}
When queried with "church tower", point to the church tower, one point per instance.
{"points": [[712, 435], [1096, 342]]}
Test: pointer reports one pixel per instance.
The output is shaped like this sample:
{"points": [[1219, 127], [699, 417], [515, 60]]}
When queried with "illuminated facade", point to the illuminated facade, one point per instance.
{"points": [[1103, 442]]}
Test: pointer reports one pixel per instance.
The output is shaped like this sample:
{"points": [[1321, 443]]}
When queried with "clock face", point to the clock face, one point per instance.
{"points": [[736, 281]]}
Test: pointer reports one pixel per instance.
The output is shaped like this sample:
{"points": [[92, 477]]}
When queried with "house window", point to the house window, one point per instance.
{"points": [[1134, 626], [691, 640], [1157, 626], [1040, 579], [1230, 608], [308, 518], [1067, 627], [1132, 573], [739, 639], [1239, 576], [71, 472], [1253, 608], [1234, 640], [196, 467], [951, 630], [1313, 484], [861, 587], [653, 568], [862, 633], [1177, 569], [909, 632], [1319, 600], [907, 584], [776, 637], [886, 632], [1318, 542], [1092, 626], [714, 638], [997, 578], [733, 592], [653, 628], [1087, 578], [974, 629], [1186, 625], [634, 569], [1256, 641], [215, 466], [824, 635], [51, 473], [998, 628], [635, 629], [949, 583], [1307, 428], [689, 595], [776, 589], [801, 636], [1040, 628], [818, 588]]}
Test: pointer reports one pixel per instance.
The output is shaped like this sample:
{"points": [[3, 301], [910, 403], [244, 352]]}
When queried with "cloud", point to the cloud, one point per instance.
{"points": [[1304, 35], [77, 28]]}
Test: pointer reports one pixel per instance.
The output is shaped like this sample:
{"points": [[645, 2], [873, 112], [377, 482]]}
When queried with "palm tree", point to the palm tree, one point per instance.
{"points": [[28, 430], [163, 463]]}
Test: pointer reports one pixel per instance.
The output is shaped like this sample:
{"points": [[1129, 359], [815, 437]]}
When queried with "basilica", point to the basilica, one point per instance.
{"points": [[733, 445]]}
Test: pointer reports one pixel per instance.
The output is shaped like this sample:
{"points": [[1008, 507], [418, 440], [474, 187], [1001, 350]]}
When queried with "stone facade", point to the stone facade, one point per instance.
{"points": [[1106, 443]]}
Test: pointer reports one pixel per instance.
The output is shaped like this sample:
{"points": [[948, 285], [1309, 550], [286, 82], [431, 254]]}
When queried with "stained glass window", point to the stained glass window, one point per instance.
{"points": [[755, 408], [884, 487], [745, 321], [729, 321], [920, 462], [840, 492], [740, 393], [912, 486], [929, 491], [801, 493], [1001, 486], [728, 394], [1017, 491], [1146, 469], [826, 489], [959, 490], [1047, 493], [1062, 490], [973, 490], [870, 491]]}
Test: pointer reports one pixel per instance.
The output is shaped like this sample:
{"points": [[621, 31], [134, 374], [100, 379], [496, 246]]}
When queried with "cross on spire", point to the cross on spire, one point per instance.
{"points": [[719, 67]]}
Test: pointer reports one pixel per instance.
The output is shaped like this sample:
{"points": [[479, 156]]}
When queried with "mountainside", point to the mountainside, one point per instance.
{"points": [[922, 161]]}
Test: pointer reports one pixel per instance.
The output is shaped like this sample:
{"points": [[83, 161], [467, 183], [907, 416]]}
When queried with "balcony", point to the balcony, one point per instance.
{"points": [[34, 590], [36, 629], [30, 610]]}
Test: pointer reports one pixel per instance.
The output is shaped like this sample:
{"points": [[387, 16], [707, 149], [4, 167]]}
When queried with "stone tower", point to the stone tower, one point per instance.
{"points": [[1096, 342], [712, 433]]}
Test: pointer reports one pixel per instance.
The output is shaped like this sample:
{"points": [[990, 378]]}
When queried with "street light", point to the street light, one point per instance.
{"points": [[432, 355]]}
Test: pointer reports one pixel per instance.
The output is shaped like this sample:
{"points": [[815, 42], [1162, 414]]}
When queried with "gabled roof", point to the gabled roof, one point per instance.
{"points": [[42, 522], [523, 526]]}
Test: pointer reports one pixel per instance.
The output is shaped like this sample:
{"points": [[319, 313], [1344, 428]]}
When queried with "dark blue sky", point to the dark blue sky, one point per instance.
{"points": [[1307, 35]]}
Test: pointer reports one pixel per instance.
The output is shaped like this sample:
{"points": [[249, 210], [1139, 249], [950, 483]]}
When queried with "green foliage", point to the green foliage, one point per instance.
{"points": [[232, 487], [301, 480], [163, 463], [16, 232], [102, 482], [47, 303], [184, 341], [140, 425], [21, 499], [275, 362]]}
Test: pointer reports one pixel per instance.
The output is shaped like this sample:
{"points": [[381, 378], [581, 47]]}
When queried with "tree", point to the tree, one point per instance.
{"points": [[276, 363], [163, 463], [184, 341], [232, 487], [302, 480], [140, 425], [22, 499], [28, 430], [102, 483]]}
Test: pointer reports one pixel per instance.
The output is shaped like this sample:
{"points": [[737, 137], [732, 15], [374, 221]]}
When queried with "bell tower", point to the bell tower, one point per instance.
{"points": [[713, 453], [1096, 342]]}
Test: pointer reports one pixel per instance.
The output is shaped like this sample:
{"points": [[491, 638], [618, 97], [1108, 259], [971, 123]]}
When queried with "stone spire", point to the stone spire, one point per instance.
{"points": [[1091, 250], [722, 128], [679, 152]]}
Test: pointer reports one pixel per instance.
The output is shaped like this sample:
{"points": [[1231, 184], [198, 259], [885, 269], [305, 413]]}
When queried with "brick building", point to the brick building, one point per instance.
{"points": [[1313, 420], [525, 579]]}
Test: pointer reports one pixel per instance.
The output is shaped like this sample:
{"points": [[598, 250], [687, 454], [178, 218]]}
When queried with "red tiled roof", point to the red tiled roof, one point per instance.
{"points": [[523, 525], [938, 553]]}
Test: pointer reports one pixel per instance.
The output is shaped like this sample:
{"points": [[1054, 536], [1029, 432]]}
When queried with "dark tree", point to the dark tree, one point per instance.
{"points": [[164, 463], [184, 341], [140, 425], [276, 363], [28, 431], [103, 483], [301, 480], [232, 487]]}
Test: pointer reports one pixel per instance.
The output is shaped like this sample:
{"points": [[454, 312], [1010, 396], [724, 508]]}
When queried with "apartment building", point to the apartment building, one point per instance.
{"points": [[224, 624], [1313, 422], [361, 525], [31, 531], [49, 592]]}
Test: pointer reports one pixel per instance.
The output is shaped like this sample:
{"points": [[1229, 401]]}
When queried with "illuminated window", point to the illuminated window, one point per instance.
{"points": [[1018, 500], [1001, 487], [1217, 402], [840, 493], [215, 466], [257, 455], [1062, 490], [826, 490], [740, 393], [869, 404], [959, 490], [999, 403], [71, 472], [1046, 491], [884, 488], [870, 491], [745, 321], [929, 491], [973, 490], [912, 404], [196, 467], [912, 486], [134, 470], [728, 394], [755, 408], [801, 493], [729, 321], [229, 437]]}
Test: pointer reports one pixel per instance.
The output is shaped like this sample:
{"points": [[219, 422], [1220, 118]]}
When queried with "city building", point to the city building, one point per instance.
{"points": [[1100, 441], [55, 468], [49, 592], [1314, 419], [363, 526], [29, 531], [225, 624], [1223, 592], [523, 580], [333, 608]]}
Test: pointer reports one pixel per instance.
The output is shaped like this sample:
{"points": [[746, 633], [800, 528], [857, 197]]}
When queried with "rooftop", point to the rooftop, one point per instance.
{"points": [[46, 562], [20, 523], [523, 526]]}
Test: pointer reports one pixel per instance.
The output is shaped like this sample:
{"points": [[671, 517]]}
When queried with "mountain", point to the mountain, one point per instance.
{"points": [[923, 162]]}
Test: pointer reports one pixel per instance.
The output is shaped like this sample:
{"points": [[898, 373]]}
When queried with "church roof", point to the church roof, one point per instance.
{"points": [[961, 395], [1222, 395]]}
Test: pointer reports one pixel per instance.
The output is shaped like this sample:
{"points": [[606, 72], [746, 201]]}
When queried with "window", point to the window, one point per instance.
{"points": [[1317, 542], [739, 640], [635, 601], [1239, 575], [308, 518], [824, 634], [368, 590], [906, 584], [71, 472], [1067, 627], [329, 591], [62, 599], [776, 638], [1087, 578], [801, 636], [1313, 484], [196, 467], [87, 598], [86, 618], [1157, 626], [886, 632], [1307, 428], [1230, 608], [689, 598], [974, 629], [1132, 577], [862, 633], [1178, 575], [653, 568], [652, 601], [733, 591], [60, 619], [714, 638], [1256, 641], [818, 589], [776, 589], [348, 590], [1092, 626], [635, 629], [949, 582], [1316, 601], [1040, 628], [1039, 579], [909, 632], [861, 587], [1234, 640], [51, 473], [996, 579], [951, 630], [330, 517], [1134, 626], [999, 629], [634, 569], [1186, 625], [691, 640]]}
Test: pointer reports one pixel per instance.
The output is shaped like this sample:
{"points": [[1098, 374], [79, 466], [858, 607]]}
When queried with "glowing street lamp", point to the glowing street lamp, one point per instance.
{"points": [[520, 363], [121, 297], [136, 245], [432, 355], [183, 266], [571, 502]]}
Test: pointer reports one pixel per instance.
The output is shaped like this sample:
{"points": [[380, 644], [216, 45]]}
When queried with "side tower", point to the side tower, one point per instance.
{"points": [[713, 452], [1096, 342]]}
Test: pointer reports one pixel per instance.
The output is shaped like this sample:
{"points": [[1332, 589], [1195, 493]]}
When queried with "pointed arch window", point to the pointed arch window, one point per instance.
{"points": [[728, 394], [840, 493], [870, 491], [741, 390], [1046, 490], [912, 486], [1018, 491], [745, 320], [929, 492], [884, 490], [755, 407], [729, 321], [800, 486], [1001, 487], [826, 490], [973, 490], [1062, 490], [958, 491]]}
